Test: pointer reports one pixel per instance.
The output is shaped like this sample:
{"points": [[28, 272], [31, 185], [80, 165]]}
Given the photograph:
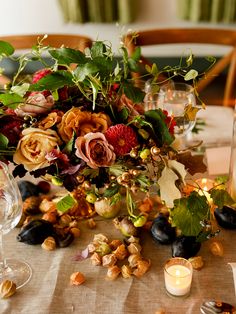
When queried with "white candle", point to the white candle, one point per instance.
{"points": [[178, 276], [203, 186]]}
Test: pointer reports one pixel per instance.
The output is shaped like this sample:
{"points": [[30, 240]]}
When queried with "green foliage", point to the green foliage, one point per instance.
{"points": [[3, 141], [53, 81], [66, 56], [111, 191], [188, 212], [65, 203], [221, 197], [6, 49], [11, 100]]}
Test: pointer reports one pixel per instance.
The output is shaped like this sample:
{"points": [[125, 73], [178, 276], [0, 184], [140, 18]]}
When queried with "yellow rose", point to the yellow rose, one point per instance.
{"points": [[33, 147], [82, 122]]}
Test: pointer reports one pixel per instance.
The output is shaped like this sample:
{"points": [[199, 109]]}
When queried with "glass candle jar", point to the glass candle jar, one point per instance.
{"points": [[232, 170], [178, 276]]}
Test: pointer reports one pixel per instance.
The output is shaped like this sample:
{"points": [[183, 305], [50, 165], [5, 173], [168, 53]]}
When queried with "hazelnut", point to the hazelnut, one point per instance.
{"points": [[75, 231], [7, 289], [133, 239], [113, 272], [126, 271], [96, 259], [49, 244], [98, 238], [216, 248], [65, 220], [77, 278], [47, 205], [109, 260], [50, 216], [197, 262], [73, 224]]}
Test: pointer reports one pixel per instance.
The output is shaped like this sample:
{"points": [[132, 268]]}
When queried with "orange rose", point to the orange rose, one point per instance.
{"points": [[82, 122], [51, 119]]}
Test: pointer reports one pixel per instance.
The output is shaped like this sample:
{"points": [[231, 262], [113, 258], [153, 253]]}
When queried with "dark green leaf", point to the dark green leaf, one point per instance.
{"points": [[124, 114], [104, 67], [97, 50], [92, 173], [3, 141], [221, 197], [134, 93], [85, 69], [53, 81], [133, 66], [116, 198], [157, 119], [65, 203], [11, 100], [189, 212], [69, 145], [6, 49], [67, 56], [111, 190]]}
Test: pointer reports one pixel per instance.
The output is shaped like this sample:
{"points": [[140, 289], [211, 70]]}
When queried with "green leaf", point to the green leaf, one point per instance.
{"points": [[133, 66], [134, 93], [97, 50], [95, 89], [20, 89], [221, 197], [6, 48], [67, 56], [154, 70], [136, 54], [3, 141], [111, 190], [65, 203], [92, 173], [191, 75], [189, 212], [117, 169], [104, 67], [11, 100], [116, 198], [157, 119], [70, 145], [124, 114], [53, 81], [84, 70], [189, 60], [143, 181], [210, 59]]}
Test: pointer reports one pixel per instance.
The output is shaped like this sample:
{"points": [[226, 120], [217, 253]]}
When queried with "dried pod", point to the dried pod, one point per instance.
{"points": [[73, 224], [49, 244], [47, 205], [114, 244], [121, 252], [65, 240], [50, 216], [65, 220], [96, 259], [197, 262], [142, 267], [216, 248], [133, 259], [92, 247], [126, 271], [77, 278], [132, 239], [103, 249], [31, 205], [75, 231], [134, 248], [7, 289], [113, 272], [98, 238], [109, 260], [91, 223]]}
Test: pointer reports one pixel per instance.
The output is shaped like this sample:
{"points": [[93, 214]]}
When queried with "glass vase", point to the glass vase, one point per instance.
{"points": [[232, 168]]}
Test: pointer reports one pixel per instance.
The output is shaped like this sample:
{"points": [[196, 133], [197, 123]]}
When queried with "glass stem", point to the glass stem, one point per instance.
{"points": [[3, 264]]}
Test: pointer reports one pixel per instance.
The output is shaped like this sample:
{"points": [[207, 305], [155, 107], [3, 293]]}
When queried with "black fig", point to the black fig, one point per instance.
{"points": [[36, 231], [226, 217], [162, 231], [27, 189], [185, 247]]}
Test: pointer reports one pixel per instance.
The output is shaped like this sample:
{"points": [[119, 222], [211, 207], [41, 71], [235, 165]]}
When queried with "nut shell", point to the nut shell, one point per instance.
{"points": [[77, 278], [216, 248], [49, 244], [197, 262]]}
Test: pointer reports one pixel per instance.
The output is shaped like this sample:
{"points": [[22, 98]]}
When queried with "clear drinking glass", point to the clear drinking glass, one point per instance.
{"points": [[232, 170], [15, 270]]}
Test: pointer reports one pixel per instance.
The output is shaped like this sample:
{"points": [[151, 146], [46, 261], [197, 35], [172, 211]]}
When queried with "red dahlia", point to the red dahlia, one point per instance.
{"points": [[122, 138]]}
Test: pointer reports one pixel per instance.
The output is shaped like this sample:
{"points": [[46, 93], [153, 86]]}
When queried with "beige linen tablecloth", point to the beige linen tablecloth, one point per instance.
{"points": [[49, 290]]}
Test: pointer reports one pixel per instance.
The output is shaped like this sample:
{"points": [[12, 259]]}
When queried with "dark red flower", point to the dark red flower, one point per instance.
{"points": [[170, 122], [122, 138], [11, 127]]}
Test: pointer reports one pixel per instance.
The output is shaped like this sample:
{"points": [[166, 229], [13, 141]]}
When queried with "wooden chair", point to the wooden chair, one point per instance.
{"points": [[26, 42], [206, 36]]}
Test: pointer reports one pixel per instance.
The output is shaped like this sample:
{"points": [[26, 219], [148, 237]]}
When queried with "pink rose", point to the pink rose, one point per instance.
{"points": [[35, 104], [94, 149]]}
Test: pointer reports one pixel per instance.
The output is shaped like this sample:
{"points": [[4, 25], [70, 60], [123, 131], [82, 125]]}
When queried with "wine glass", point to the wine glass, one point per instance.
{"points": [[15, 270]]}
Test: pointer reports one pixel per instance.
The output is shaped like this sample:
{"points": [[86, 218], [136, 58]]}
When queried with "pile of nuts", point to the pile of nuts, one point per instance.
{"points": [[118, 257]]}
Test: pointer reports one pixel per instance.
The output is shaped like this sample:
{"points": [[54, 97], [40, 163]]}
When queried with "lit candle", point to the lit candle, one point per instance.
{"points": [[204, 185], [178, 276]]}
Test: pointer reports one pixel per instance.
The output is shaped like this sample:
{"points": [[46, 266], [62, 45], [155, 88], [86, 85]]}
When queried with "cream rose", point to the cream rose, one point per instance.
{"points": [[94, 149], [33, 147]]}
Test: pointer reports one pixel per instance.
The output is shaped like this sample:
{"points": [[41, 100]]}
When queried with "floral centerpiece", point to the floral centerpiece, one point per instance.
{"points": [[80, 122]]}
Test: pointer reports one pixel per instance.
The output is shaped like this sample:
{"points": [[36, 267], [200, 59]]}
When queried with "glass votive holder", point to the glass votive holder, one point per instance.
{"points": [[204, 185], [178, 276]]}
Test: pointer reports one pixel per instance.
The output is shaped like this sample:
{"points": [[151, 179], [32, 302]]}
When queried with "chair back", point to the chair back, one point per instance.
{"points": [[224, 37]]}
